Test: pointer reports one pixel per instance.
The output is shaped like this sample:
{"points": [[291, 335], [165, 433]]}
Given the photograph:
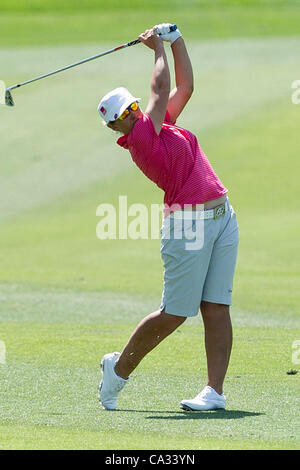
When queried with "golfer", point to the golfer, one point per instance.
{"points": [[197, 273]]}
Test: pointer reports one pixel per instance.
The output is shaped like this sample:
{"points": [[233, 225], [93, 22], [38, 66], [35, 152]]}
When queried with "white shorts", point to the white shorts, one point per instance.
{"points": [[199, 260]]}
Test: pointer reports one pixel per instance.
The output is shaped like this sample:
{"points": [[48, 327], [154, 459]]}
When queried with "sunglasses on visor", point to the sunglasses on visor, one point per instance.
{"points": [[134, 106]]}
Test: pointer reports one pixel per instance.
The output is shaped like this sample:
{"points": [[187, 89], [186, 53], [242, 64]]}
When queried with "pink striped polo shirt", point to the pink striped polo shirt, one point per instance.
{"points": [[174, 161]]}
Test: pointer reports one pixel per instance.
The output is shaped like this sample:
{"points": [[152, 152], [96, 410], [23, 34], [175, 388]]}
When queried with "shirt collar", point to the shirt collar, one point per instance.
{"points": [[123, 141]]}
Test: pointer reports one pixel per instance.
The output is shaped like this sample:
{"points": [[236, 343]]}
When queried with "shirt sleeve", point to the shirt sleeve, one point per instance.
{"points": [[168, 118], [146, 149], [143, 136]]}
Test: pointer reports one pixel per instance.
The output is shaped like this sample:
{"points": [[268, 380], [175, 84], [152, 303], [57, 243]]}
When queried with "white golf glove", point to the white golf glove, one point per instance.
{"points": [[163, 30]]}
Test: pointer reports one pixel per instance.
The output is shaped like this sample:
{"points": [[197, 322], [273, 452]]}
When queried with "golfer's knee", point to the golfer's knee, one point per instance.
{"points": [[171, 319], [211, 308]]}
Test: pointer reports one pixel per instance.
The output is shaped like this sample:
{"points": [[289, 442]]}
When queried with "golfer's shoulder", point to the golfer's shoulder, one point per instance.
{"points": [[143, 129]]}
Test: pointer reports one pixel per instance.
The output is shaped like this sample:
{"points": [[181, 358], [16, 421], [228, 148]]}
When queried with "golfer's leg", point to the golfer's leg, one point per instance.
{"points": [[217, 297], [218, 342], [148, 334]]}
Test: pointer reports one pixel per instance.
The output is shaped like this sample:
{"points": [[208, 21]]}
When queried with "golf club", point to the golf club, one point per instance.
{"points": [[5, 94]]}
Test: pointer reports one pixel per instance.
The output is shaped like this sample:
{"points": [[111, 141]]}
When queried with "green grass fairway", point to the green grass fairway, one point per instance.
{"points": [[66, 297], [74, 22], [55, 338]]}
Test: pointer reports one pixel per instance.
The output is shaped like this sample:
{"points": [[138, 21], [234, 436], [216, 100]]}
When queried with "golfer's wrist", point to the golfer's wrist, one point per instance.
{"points": [[179, 40], [159, 47]]}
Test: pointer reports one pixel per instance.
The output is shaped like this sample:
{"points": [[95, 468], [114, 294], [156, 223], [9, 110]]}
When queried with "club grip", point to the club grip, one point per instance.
{"points": [[173, 27]]}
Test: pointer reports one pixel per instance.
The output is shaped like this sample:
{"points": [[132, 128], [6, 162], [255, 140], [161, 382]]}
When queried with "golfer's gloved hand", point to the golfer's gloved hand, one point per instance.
{"points": [[163, 30]]}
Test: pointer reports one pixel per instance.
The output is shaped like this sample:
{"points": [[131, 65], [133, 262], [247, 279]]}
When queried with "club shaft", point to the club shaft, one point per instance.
{"points": [[127, 44], [131, 43]]}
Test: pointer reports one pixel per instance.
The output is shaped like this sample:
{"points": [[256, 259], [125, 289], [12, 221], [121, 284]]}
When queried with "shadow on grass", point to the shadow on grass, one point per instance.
{"points": [[180, 415]]}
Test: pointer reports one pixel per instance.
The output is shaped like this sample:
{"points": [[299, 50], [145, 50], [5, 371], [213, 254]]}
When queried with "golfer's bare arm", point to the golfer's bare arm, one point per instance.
{"points": [[160, 82], [184, 78]]}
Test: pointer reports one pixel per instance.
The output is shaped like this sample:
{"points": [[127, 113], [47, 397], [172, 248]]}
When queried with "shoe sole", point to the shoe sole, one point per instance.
{"points": [[187, 408], [100, 385]]}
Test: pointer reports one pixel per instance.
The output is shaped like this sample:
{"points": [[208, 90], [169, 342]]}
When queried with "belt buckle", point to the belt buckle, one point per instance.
{"points": [[219, 211]]}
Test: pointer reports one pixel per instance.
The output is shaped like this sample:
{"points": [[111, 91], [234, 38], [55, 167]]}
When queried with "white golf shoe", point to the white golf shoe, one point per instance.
{"points": [[207, 399], [111, 384]]}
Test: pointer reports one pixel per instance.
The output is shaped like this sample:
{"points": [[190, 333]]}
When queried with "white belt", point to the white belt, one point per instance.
{"points": [[214, 213]]}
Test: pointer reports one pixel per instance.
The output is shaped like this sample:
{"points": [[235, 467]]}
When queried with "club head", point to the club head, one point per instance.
{"points": [[5, 95], [9, 99]]}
